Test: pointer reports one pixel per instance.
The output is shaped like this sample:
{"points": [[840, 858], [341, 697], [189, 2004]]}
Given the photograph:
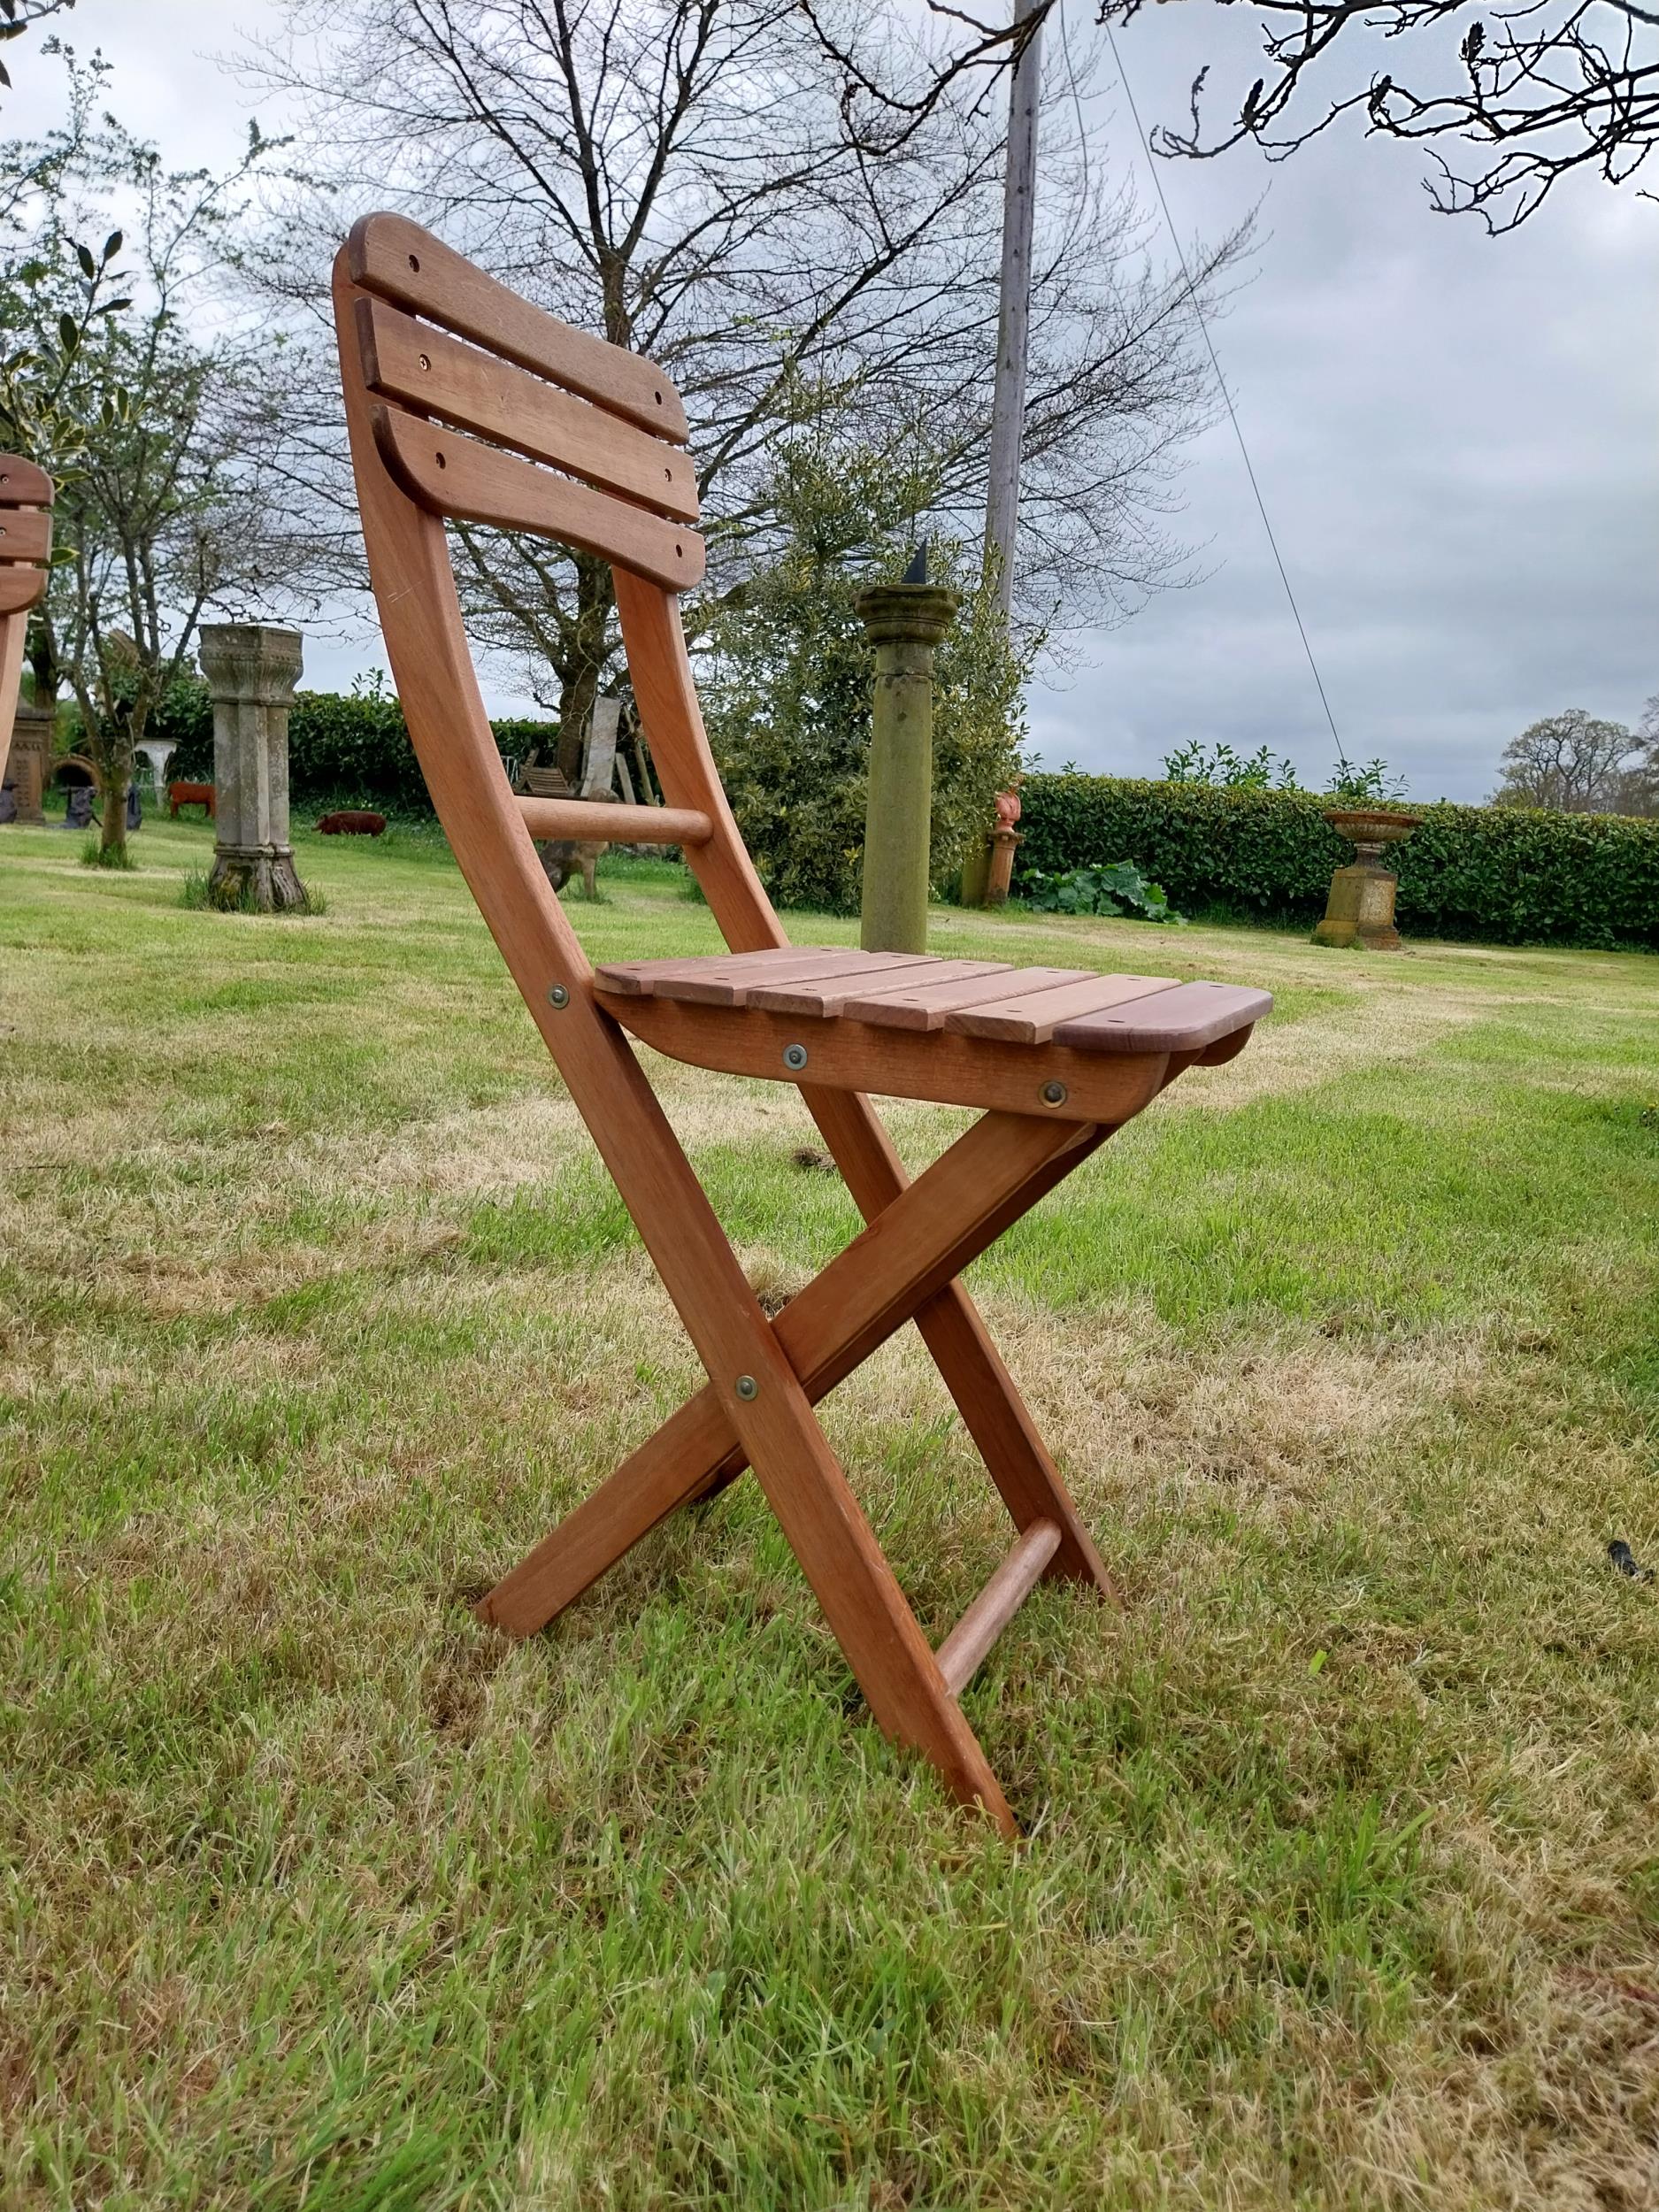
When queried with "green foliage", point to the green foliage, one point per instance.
{"points": [[1220, 765], [345, 749], [1120, 888], [1501, 875], [789, 676], [94, 854], [1373, 784]]}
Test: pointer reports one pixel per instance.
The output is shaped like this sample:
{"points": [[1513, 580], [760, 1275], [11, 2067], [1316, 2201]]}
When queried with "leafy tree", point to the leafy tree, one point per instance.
{"points": [[1569, 762], [16, 16], [146, 424], [787, 685]]}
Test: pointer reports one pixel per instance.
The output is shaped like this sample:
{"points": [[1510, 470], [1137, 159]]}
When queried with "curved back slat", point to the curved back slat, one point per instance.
{"points": [[427, 370], [448, 473], [25, 546], [26, 534], [396, 260]]}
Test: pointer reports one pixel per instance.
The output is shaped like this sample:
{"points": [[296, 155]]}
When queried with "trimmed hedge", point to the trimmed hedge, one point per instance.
{"points": [[1504, 875], [345, 749]]}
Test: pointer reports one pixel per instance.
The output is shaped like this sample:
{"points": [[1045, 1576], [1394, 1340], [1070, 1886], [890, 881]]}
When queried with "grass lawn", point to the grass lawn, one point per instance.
{"points": [[1340, 1885]]}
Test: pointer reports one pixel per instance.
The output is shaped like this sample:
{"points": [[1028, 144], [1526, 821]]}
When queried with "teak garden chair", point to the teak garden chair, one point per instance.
{"points": [[26, 548], [466, 402]]}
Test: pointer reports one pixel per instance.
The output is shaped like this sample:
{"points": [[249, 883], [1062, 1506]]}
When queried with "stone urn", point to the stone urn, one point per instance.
{"points": [[1361, 908]]}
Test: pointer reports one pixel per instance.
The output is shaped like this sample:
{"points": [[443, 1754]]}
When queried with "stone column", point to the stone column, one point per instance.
{"points": [[251, 670], [905, 622], [30, 759]]}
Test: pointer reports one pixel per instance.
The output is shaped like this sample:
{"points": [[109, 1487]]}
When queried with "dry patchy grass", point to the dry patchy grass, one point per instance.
{"points": [[1339, 1886]]}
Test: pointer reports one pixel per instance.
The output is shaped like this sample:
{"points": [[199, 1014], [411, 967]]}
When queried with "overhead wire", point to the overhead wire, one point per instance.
{"points": [[1226, 396]]}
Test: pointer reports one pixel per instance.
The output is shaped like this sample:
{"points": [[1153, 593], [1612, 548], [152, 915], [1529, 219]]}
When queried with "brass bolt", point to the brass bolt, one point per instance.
{"points": [[748, 1388]]}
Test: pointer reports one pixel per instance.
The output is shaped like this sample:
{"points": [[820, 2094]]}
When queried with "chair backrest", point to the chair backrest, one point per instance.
{"points": [[26, 533], [467, 404], [25, 548], [523, 384]]}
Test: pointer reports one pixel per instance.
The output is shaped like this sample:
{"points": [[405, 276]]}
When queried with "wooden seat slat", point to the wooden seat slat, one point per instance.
{"points": [[449, 474], [26, 534], [827, 997], [390, 256], [426, 369], [1030, 1017], [639, 978], [701, 989], [927, 1006], [1185, 1019]]}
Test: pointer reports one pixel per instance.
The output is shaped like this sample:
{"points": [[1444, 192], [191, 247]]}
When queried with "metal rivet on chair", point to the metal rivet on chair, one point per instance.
{"points": [[794, 1055], [558, 995], [748, 1388], [1053, 1094]]}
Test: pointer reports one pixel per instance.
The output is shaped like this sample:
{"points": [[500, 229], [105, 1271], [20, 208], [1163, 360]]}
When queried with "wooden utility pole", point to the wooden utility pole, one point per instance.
{"points": [[1013, 322]]}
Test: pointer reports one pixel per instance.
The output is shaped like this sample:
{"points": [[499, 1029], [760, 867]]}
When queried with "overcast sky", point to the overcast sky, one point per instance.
{"points": [[1454, 434]]}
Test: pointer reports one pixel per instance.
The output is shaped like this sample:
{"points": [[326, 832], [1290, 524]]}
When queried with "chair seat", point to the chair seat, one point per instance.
{"points": [[967, 1032]]}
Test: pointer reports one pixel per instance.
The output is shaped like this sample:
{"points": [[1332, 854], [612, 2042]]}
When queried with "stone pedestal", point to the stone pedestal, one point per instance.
{"points": [[1360, 910], [29, 761], [158, 751], [251, 670], [905, 623]]}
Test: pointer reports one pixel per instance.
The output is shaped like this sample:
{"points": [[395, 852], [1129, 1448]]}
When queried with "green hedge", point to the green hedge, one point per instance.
{"points": [[1505, 875], [345, 749]]}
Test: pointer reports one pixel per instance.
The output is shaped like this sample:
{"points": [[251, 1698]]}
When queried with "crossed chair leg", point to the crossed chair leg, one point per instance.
{"points": [[900, 1267]]}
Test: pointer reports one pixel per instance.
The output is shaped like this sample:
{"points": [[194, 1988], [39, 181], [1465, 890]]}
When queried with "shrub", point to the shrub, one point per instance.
{"points": [[788, 675], [1120, 890], [1506, 875], [345, 749]]}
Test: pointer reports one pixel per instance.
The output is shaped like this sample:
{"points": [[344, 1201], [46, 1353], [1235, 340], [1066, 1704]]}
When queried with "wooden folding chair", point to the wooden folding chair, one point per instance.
{"points": [[25, 547], [464, 401]]}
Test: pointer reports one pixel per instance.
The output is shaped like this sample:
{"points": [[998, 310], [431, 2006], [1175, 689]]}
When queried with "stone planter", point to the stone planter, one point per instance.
{"points": [[1361, 908]]}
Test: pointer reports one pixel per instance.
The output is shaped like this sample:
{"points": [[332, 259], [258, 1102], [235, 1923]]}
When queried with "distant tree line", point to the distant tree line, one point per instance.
{"points": [[1575, 764]]}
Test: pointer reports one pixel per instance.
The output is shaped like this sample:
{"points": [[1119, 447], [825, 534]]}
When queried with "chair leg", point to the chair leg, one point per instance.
{"points": [[984, 1392], [987, 1180], [866, 1610]]}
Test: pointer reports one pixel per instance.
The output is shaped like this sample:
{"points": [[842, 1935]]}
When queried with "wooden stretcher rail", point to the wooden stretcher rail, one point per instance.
{"points": [[604, 821], [962, 1652]]}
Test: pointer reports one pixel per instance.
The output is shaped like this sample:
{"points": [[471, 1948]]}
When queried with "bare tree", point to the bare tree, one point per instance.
{"points": [[1533, 92], [1637, 791], [1536, 91], [1569, 762], [683, 177]]}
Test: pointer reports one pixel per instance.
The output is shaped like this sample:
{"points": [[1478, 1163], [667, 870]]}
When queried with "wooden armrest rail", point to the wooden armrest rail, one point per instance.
{"points": [[605, 821], [962, 1652]]}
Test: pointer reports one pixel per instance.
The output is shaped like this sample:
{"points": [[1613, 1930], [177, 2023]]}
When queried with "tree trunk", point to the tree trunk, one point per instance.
{"points": [[117, 776], [584, 663]]}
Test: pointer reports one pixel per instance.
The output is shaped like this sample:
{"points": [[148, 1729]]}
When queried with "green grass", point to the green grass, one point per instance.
{"points": [[1340, 1884]]}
